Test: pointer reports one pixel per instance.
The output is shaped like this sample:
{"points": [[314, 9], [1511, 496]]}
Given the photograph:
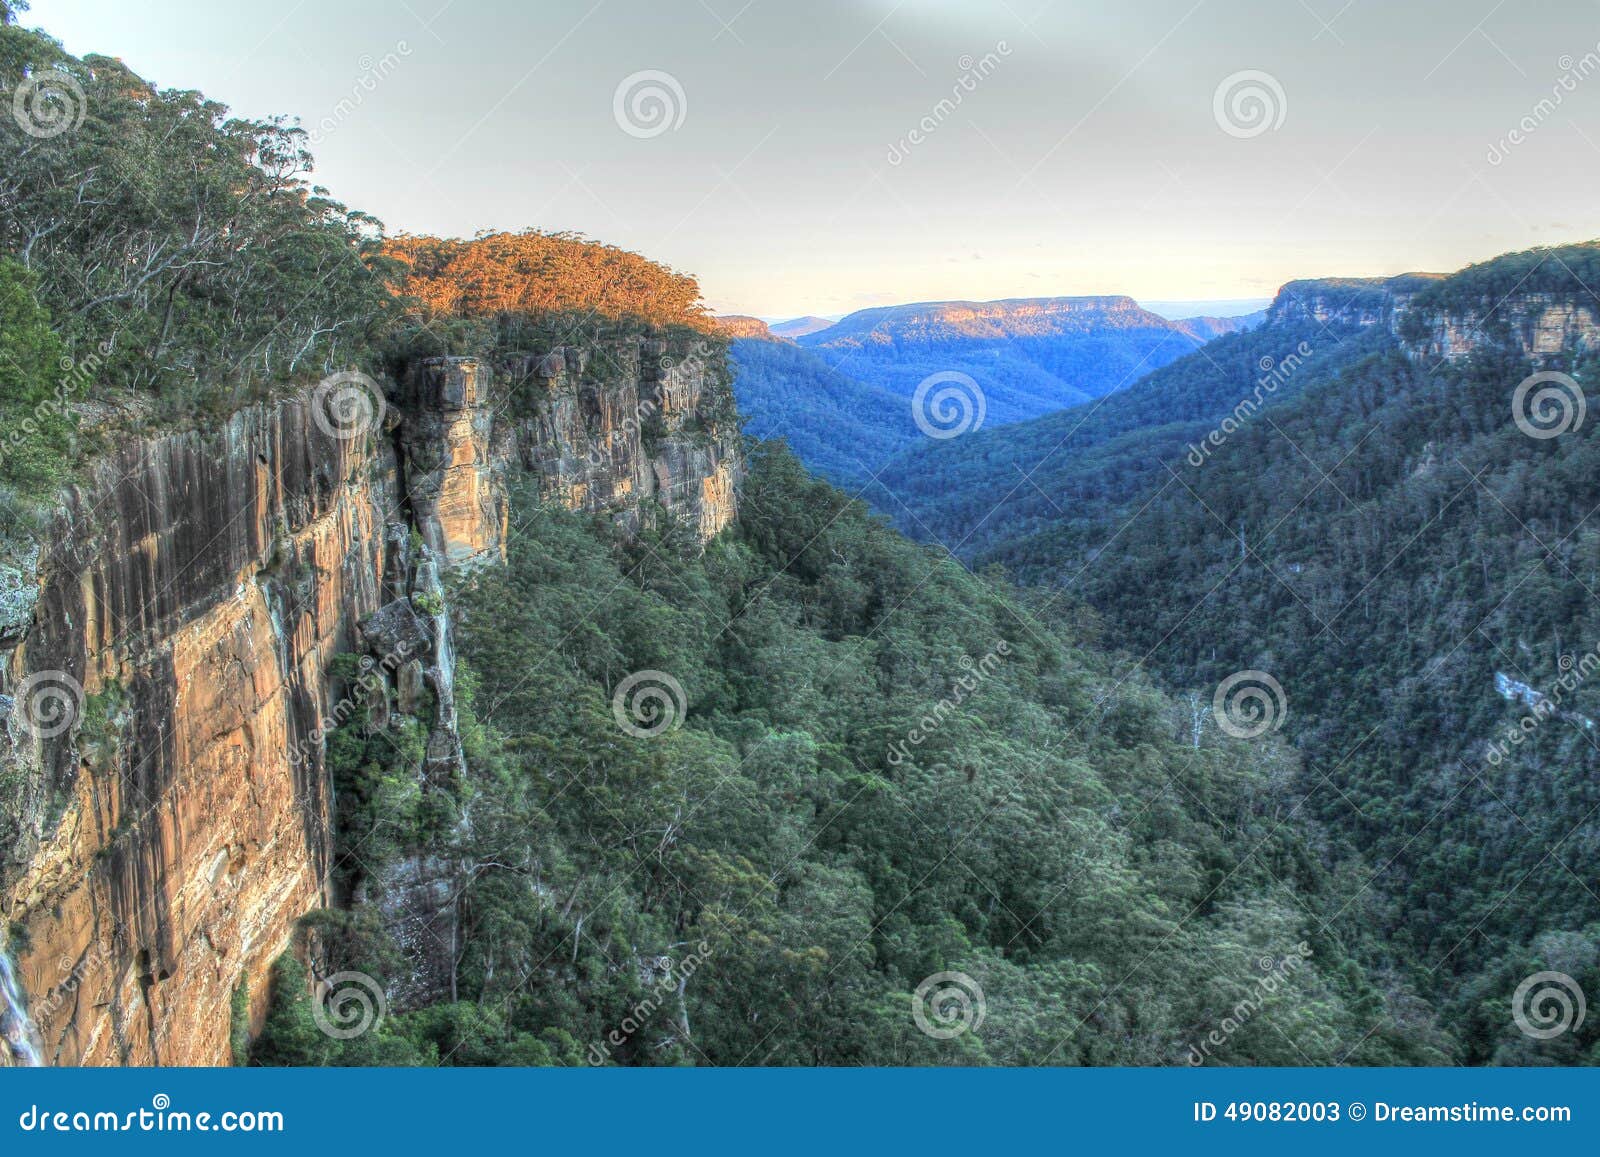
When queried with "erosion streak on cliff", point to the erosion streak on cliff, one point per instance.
{"points": [[165, 845], [196, 589]]}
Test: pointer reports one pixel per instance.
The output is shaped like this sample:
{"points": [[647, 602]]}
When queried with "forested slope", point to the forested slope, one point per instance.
{"points": [[854, 767], [1391, 542]]}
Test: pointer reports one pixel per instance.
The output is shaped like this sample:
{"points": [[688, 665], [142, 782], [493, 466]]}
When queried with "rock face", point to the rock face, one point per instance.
{"points": [[171, 818], [739, 325], [625, 426], [166, 651], [449, 468], [1347, 301], [1537, 324]]}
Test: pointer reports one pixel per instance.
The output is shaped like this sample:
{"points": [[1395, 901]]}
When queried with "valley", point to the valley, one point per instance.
{"points": [[472, 651], [846, 395], [1390, 531]]}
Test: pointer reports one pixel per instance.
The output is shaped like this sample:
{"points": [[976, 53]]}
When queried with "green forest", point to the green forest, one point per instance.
{"points": [[1114, 880], [953, 750], [1383, 539]]}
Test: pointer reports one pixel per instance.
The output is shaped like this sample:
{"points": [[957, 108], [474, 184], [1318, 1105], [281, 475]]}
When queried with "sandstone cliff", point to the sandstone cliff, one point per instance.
{"points": [[1347, 301], [1535, 323], [1538, 324], [167, 657]]}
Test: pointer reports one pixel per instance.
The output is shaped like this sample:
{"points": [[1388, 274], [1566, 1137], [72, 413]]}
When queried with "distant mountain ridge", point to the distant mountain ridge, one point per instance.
{"points": [[1007, 318], [797, 327], [1204, 327], [844, 395], [1027, 356]]}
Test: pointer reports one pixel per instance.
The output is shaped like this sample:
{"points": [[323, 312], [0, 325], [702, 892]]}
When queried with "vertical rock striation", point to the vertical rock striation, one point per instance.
{"points": [[160, 839]]}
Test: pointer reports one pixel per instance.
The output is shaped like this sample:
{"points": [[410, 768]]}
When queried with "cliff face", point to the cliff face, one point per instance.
{"points": [[164, 804], [1347, 301], [1535, 323], [663, 433]]}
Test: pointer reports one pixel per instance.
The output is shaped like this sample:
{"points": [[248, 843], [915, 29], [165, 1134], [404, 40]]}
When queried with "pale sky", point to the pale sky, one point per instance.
{"points": [[1089, 157]]}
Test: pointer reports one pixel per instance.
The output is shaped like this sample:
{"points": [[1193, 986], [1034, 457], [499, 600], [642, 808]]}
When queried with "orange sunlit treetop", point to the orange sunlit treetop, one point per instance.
{"points": [[534, 272]]}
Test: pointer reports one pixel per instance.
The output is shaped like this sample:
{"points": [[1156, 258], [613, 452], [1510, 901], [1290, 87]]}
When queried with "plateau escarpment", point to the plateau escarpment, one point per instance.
{"points": [[1028, 356], [172, 666], [1535, 304]]}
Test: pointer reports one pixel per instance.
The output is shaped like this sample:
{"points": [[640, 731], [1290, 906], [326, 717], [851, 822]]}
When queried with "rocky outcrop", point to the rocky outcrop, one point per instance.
{"points": [[1537, 324], [168, 818], [1355, 302], [736, 325], [449, 466], [168, 674], [630, 427]]}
